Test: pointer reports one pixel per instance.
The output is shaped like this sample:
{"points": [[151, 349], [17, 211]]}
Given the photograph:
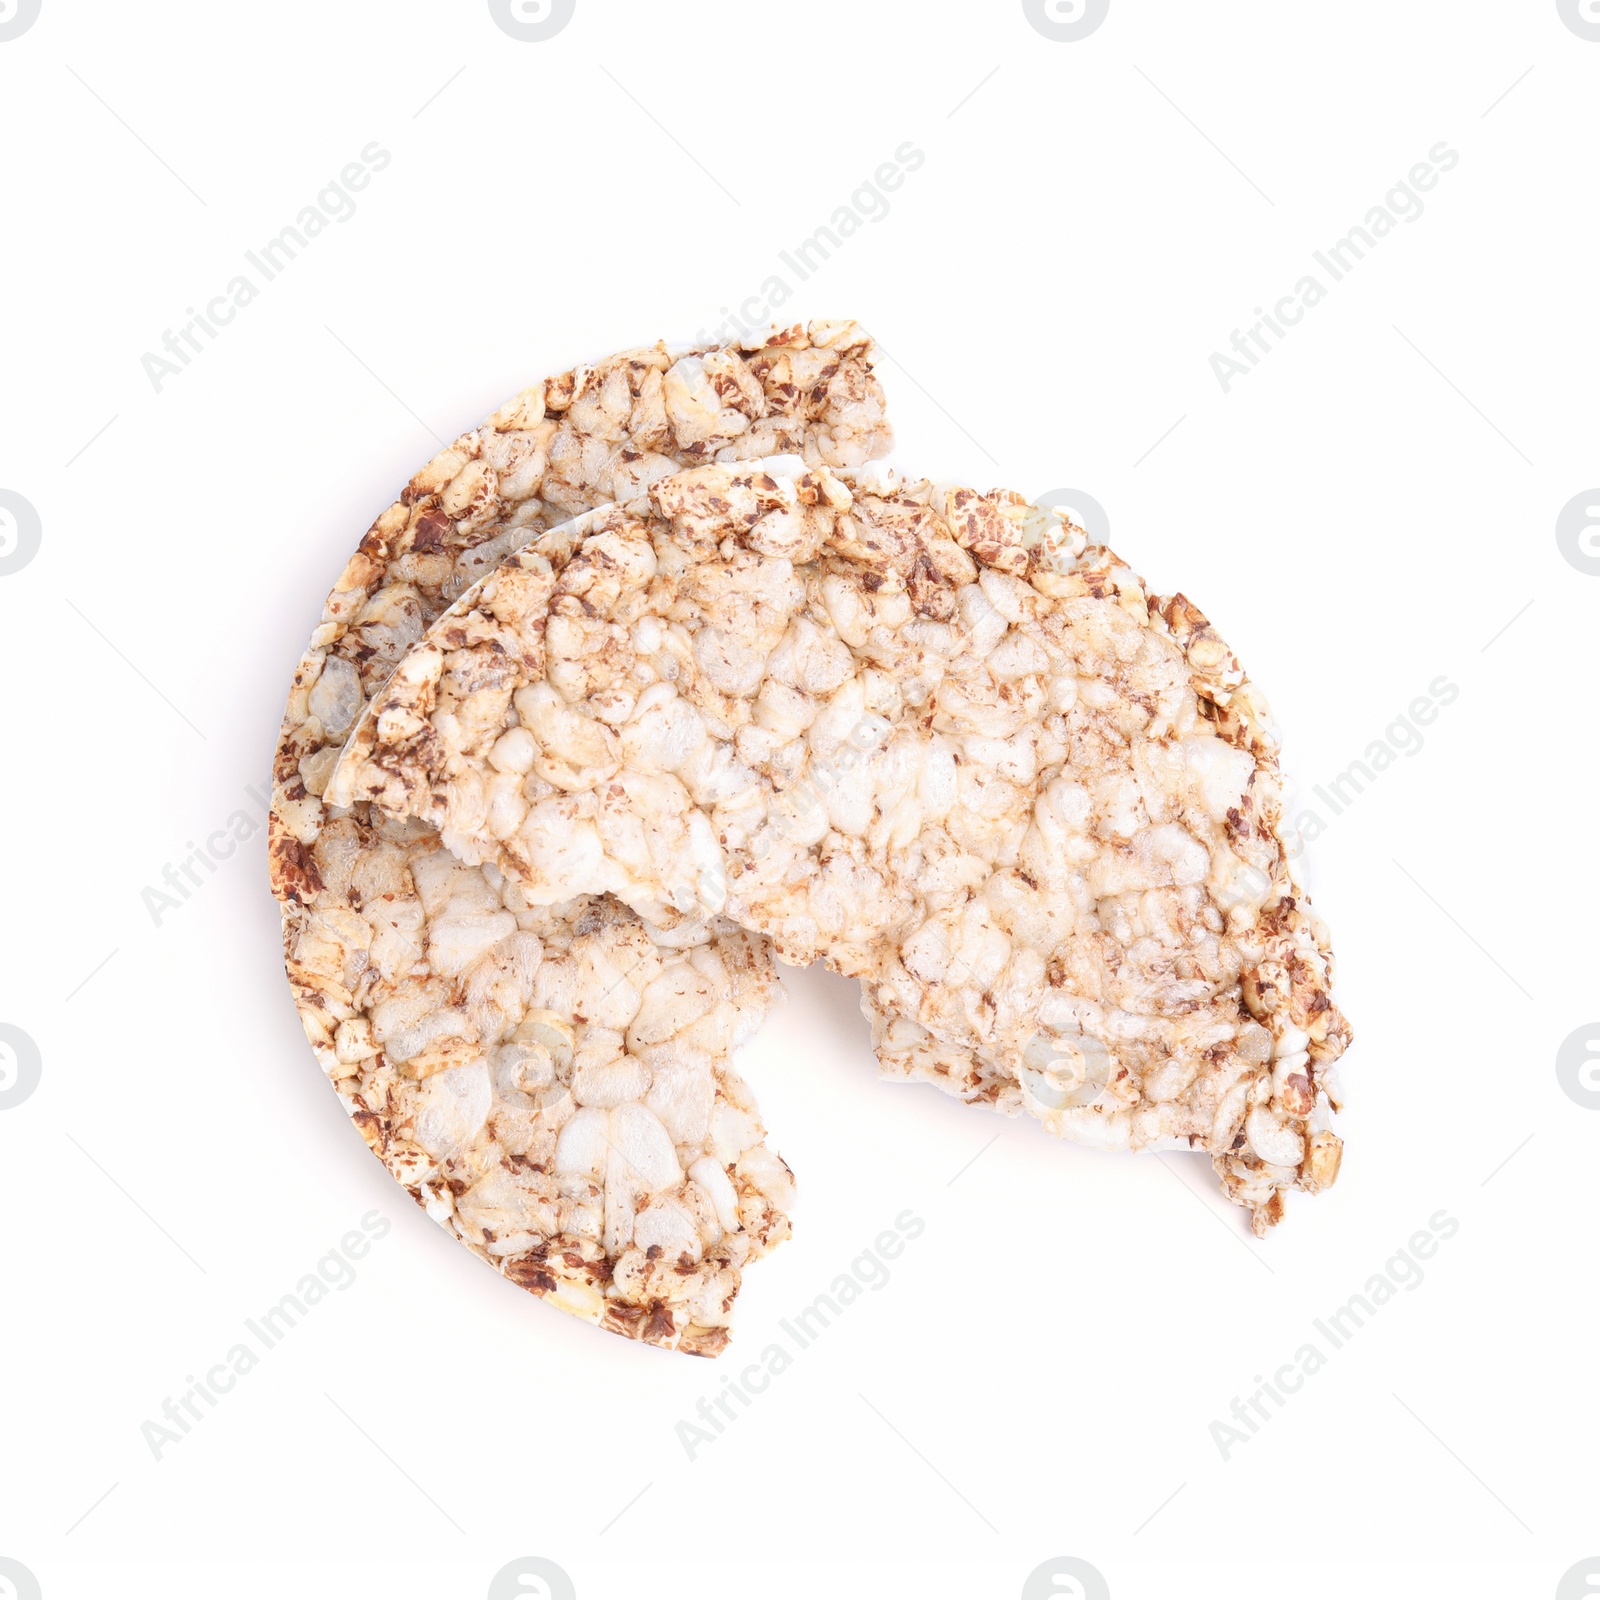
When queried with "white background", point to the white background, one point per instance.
{"points": [[1372, 507]]}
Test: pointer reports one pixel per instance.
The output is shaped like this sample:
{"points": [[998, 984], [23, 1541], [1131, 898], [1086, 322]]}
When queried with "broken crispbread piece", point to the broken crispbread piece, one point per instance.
{"points": [[437, 999], [582, 439], [931, 736]]}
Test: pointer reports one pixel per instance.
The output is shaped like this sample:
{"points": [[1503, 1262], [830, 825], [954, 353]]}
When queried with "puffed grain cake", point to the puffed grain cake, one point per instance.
{"points": [[928, 735], [452, 1055]]}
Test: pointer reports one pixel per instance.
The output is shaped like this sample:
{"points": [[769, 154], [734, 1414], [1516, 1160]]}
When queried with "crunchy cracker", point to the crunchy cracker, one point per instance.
{"points": [[552, 1083], [929, 735]]}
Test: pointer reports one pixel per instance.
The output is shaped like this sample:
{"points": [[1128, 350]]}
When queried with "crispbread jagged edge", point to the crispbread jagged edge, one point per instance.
{"points": [[1244, 720], [293, 870], [1241, 719], [562, 541]]}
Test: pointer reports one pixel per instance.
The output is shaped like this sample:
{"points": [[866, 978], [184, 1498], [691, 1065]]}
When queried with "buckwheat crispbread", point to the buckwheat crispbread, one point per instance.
{"points": [[929, 735], [581, 439], [553, 1083]]}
